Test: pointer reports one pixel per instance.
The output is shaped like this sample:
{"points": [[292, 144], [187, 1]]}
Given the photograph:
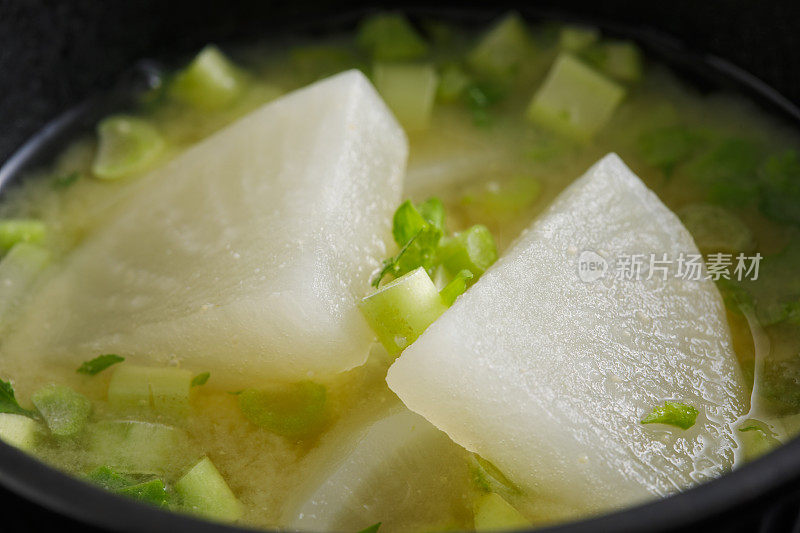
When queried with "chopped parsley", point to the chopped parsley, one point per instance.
{"points": [[200, 379], [371, 529], [417, 230], [99, 363], [8, 402]]}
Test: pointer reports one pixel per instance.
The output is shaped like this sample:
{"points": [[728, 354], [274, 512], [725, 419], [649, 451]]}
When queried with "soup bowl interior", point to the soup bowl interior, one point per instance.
{"points": [[56, 59]]}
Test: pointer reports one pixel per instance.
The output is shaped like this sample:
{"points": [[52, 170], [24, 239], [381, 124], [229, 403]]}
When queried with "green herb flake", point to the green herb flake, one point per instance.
{"points": [[371, 529], [99, 363], [417, 230], [8, 402], [200, 379], [420, 251], [673, 414], [63, 181]]}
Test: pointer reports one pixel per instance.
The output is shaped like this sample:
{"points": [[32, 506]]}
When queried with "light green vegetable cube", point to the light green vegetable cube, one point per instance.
{"points": [[623, 61], [574, 99], [502, 50], [473, 250], [126, 145], [291, 410], [409, 90], [493, 513], [205, 492], [575, 38], [16, 230], [64, 411], [164, 389], [401, 310], [452, 84], [18, 270], [18, 430], [134, 447], [501, 200], [209, 82], [390, 37]]}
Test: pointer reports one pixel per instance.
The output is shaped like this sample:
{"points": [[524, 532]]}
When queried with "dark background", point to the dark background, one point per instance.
{"points": [[56, 53], [53, 53]]}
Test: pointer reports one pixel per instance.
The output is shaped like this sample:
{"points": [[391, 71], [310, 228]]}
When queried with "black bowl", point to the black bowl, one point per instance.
{"points": [[56, 55]]}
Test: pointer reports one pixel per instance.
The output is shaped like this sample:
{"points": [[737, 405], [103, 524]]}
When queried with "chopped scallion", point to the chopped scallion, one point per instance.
{"points": [[674, 414]]}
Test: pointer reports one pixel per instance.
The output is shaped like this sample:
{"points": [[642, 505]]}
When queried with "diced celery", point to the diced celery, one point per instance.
{"points": [[126, 145], [456, 287], [18, 430], [622, 61], [715, 229], [209, 82], [501, 200], [292, 409], [64, 411], [16, 230], [576, 38], [164, 389], [401, 310], [129, 388], [170, 389], [493, 513], [409, 90], [153, 492], [18, 270], [390, 37], [134, 447], [473, 250], [452, 83], [574, 99], [756, 439], [502, 50], [205, 492]]}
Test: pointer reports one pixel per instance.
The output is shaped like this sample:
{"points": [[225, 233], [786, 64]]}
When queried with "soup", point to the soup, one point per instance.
{"points": [[204, 297]]}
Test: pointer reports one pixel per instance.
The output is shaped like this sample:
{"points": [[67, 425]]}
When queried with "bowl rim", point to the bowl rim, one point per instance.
{"points": [[758, 480]]}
